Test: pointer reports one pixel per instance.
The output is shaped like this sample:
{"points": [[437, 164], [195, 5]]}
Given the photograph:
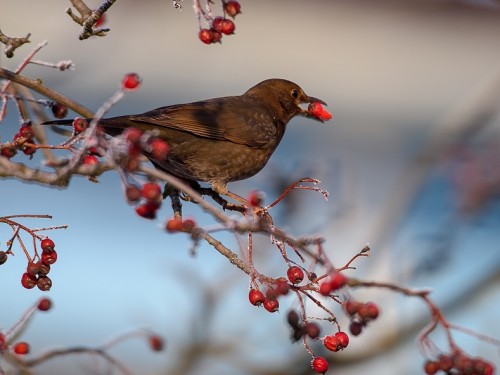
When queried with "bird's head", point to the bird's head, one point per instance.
{"points": [[286, 98]]}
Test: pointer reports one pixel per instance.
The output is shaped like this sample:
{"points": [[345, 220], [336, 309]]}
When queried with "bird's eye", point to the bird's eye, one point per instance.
{"points": [[295, 93]]}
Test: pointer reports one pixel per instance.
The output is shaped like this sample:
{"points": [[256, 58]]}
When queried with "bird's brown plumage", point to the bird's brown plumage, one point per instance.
{"points": [[222, 139]]}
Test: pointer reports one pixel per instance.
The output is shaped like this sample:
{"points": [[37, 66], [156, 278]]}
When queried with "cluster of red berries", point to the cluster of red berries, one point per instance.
{"points": [[151, 195], [270, 299], [179, 225], [36, 272], [459, 364], [280, 288], [221, 25], [360, 314], [301, 329], [139, 143], [336, 281], [23, 140], [334, 343]]}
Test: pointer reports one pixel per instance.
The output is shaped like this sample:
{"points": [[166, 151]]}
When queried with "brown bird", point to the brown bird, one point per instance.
{"points": [[222, 139]]}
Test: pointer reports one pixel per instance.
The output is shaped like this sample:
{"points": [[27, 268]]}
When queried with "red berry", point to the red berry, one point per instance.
{"points": [[332, 343], [368, 311], [445, 363], [8, 151], [325, 288], [29, 150], [32, 268], [26, 131], [159, 148], [431, 367], [38, 268], [59, 110], [205, 36], [147, 210], [151, 191], [47, 245], [256, 297], [312, 330], [188, 225], [80, 124], [319, 365], [133, 193], [21, 348], [351, 307], [256, 197], [44, 283], [337, 280], [295, 274], [3, 257], [44, 304], [133, 135], [156, 343], [293, 319], [174, 225], [49, 258], [232, 8], [355, 328], [282, 288], [28, 281], [343, 338], [227, 27], [90, 160], [217, 24], [464, 364], [317, 110], [489, 369], [131, 81], [216, 36], [271, 305]]}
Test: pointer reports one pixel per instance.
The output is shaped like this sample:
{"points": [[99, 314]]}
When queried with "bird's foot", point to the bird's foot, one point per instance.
{"points": [[221, 201]]}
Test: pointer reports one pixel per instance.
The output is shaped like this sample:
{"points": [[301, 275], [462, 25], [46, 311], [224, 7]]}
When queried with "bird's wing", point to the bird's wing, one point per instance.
{"points": [[227, 118]]}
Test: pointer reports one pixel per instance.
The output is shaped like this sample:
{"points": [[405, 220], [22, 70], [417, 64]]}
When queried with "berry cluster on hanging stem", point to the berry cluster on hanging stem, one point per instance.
{"points": [[217, 26]]}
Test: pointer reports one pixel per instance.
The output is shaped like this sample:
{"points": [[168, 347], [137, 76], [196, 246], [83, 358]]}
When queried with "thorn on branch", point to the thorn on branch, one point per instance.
{"points": [[12, 43]]}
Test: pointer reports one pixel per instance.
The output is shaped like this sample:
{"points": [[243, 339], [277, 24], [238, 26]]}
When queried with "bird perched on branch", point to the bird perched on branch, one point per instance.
{"points": [[222, 139]]}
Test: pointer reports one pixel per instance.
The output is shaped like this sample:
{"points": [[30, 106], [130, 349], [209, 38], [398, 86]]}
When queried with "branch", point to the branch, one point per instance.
{"points": [[36, 85], [58, 178], [12, 43]]}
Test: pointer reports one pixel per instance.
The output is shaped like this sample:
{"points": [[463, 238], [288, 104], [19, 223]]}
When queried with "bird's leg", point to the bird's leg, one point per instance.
{"points": [[174, 195]]}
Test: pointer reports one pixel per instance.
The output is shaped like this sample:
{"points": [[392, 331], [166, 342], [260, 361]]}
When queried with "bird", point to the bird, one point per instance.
{"points": [[220, 140]]}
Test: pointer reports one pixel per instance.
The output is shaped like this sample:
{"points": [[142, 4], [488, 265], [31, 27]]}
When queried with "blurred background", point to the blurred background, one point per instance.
{"points": [[411, 161]]}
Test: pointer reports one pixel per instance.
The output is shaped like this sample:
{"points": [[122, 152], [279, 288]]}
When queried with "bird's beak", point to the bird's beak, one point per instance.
{"points": [[305, 112]]}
